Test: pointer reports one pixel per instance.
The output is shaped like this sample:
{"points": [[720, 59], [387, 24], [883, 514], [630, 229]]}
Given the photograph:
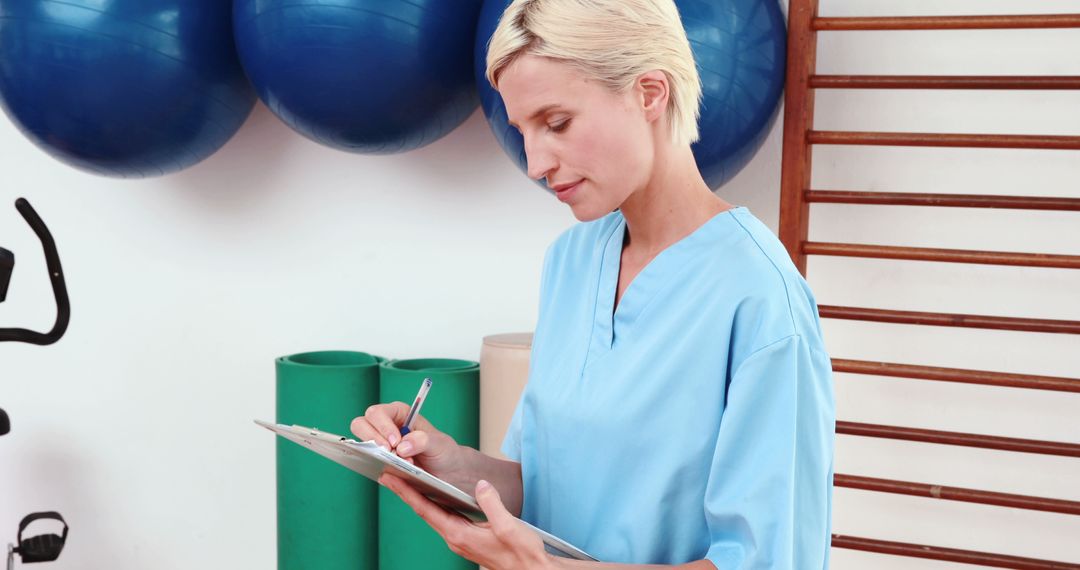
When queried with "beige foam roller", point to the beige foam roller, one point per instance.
{"points": [[504, 369]]}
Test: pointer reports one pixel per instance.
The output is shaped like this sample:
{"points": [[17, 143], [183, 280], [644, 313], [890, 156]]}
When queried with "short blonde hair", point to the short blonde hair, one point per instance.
{"points": [[610, 41]]}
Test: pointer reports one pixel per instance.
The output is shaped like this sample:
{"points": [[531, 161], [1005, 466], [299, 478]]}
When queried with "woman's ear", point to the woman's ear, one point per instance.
{"points": [[654, 91]]}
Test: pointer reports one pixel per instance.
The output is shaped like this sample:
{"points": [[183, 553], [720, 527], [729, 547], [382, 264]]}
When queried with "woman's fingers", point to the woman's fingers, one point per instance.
{"points": [[381, 424], [500, 542], [364, 431], [503, 524], [413, 444], [384, 419], [524, 545]]}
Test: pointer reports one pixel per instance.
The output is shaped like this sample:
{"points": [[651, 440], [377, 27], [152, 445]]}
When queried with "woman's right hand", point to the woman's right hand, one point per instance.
{"points": [[434, 451]]}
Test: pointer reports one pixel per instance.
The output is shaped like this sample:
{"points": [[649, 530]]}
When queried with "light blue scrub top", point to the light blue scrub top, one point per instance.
{"points": [[698, 421]]}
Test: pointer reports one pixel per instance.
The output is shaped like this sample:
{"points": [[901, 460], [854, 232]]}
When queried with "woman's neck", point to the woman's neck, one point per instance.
{"points": [[674, 203]]}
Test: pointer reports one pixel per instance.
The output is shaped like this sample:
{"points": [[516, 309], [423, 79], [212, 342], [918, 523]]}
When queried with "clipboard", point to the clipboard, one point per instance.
{"points": [[370, 460]]}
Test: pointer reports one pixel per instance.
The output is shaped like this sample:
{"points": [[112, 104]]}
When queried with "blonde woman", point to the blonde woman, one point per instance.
{"points": [[679, 409]]}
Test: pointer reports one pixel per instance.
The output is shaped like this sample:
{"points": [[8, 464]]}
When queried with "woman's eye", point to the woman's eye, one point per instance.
{"points": [[560, 127]]}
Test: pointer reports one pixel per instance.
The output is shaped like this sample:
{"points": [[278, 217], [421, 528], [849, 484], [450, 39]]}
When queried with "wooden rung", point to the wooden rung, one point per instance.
{"points": [[1010, 22], [943, 200], [962, 439], [949, 320], [947, 554], [981, 377], [958, 494], [942, 255], [858, 138], [1036, 82]]}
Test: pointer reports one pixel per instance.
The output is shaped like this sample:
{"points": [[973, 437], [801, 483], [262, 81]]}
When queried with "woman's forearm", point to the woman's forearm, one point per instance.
{"points": [[567, 564], [504, 475]]}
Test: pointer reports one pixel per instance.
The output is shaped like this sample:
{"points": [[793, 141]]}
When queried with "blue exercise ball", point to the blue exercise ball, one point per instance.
{"points": [[739, 47], [365, 76], [124, 88]]}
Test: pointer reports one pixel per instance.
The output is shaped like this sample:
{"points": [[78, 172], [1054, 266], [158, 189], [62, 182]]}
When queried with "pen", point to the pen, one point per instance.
{"points": [[415, 409]]}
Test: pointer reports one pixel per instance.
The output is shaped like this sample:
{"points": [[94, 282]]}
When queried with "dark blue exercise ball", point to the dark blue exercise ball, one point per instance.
{"points": [[126, 88], [739, 47], [366, 76]]}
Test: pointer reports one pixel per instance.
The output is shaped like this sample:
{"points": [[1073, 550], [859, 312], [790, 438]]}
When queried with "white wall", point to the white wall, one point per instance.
{"points": [[137, 425]]}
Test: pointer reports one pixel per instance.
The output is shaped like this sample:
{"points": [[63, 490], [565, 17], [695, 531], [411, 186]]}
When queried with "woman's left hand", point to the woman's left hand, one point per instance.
{"points": [[501, 543]]}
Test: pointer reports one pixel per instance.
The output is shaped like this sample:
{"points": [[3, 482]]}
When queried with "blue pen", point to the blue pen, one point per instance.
{"points": [[415, 409]]}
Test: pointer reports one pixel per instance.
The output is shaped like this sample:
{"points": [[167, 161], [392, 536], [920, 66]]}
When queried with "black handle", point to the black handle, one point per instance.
{"points": [[7, 265], [56, 275], [41, 548]]}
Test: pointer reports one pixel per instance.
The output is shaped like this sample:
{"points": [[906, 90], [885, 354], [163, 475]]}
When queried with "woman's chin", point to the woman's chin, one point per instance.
{"points": [[584, 213], [584, 216]]}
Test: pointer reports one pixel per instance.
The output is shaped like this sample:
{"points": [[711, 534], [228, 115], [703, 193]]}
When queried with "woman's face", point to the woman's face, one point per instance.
{"points": [[594, 147]]}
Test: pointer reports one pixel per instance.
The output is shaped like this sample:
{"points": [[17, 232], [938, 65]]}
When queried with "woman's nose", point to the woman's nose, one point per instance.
{"points": [[540, 162]]}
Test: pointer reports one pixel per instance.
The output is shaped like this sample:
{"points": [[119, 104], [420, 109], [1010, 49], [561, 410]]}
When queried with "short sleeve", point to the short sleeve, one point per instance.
{"points": [[768, 496], [511, 445]]}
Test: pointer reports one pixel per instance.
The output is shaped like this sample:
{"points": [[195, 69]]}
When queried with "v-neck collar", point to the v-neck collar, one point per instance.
{"points": [[609, 319]]}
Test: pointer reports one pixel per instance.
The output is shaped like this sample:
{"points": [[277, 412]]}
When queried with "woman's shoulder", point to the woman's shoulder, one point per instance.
{"points": [[756, 247], [772, 297]]}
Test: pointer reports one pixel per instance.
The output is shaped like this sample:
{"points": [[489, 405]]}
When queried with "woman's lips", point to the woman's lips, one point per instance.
{"points": [[567, 193]]}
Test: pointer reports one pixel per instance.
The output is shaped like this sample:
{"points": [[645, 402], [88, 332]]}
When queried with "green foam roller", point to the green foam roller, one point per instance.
{"points": [[453, 407], [327, 515]]}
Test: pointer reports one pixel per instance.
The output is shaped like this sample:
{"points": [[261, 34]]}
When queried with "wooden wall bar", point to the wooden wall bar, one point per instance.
{"points": [[939, 374], [1044, 142], [958, 494], [798, 122], [962, 439], [943, 200], [942, 255], [948, 554], [1067, 82], [948, 22]]}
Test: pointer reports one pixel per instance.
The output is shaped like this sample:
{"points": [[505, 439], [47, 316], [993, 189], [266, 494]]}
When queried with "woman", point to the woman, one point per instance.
{"points": [[679, 408]]}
